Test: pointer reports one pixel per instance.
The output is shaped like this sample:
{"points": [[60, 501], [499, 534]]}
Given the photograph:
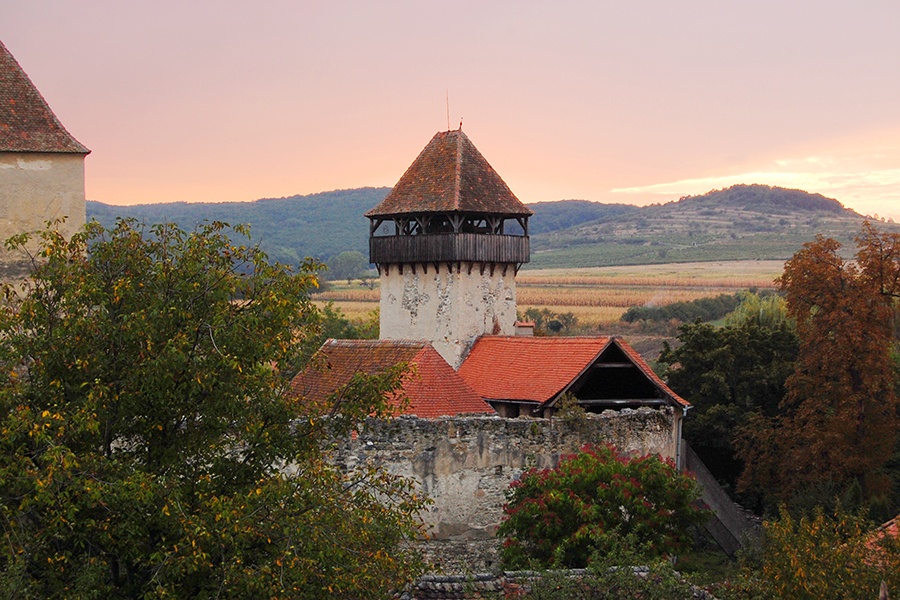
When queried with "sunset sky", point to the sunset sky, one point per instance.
{"points": [[614, 101]]}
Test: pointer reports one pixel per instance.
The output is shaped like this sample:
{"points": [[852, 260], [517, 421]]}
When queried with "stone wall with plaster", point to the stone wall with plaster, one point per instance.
{"points": [[36, 188], [465, 465], [448, 305]]}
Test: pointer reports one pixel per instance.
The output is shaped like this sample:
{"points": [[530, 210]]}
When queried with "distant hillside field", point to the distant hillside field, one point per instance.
{"points": [[743, 222]]}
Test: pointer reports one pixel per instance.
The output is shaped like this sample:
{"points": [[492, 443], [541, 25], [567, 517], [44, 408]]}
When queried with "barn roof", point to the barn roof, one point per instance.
{"points": [[538, 369], [433, 388], [26, 122], [450, 175]]}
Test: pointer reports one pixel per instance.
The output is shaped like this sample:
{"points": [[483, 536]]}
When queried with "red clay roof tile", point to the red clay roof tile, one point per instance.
{"points": [[450, 175], [537, 369], [26, 122], [433, 389]]}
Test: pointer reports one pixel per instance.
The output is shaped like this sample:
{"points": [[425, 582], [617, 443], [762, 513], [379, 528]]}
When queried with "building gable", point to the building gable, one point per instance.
{"points": [[534, 372]]}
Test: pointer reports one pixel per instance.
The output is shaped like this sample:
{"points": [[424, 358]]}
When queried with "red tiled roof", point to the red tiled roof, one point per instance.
{"points": [[433, 389], [537, 369], [450, 175], [875, 541], [527, 368], [26, 122]]}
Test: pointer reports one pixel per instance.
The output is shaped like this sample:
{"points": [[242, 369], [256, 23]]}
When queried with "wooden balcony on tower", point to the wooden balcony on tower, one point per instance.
{"points": [[449, 248]]}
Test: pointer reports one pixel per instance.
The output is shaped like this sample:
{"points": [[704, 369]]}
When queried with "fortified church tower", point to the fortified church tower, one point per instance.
{"points": [[448, 240]]}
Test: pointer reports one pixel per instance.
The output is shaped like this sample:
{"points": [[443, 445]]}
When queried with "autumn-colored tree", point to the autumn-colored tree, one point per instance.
{"points": [[149, 448], [593, 503], [834, 554], [837, 424]]}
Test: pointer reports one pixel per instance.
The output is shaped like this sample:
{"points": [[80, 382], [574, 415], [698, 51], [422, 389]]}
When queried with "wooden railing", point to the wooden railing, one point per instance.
{"points": [[449, 247]]}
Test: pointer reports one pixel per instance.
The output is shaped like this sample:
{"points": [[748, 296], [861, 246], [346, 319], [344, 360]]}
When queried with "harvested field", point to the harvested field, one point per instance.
{"points": [[589, 317], [611, 296], [598, 296]]}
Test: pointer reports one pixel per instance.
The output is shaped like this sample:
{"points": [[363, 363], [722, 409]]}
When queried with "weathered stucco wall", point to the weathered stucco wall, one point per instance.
{"points": [[465, 465], [36, 188], [446, 306]]}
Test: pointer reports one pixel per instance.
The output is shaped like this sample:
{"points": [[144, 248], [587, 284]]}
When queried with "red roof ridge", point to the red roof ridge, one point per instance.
{"points": [[400, 343], [27, 124]]}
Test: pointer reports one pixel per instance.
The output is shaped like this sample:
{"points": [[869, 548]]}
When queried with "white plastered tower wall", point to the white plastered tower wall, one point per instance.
{"points": [[40, 187], [450, 306], [41, 166]]}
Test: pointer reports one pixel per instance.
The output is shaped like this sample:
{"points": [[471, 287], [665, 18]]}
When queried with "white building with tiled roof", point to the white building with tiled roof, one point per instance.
{"points": [[41, 164]]}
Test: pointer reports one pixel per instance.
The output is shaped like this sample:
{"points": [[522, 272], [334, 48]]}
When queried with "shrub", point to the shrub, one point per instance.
{"points": [[823, 555], [593, 503]]}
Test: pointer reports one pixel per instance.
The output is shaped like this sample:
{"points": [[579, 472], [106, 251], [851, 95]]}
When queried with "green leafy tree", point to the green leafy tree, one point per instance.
{"points": [[623, 574], [330, 322], [821, 555], [838, 423], [149, 446], [348, 265], [594, 502], [729, 374]]}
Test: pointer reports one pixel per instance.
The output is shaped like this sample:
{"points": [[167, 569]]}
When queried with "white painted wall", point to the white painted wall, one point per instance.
{"points": [[449, 308], [39, 187]]}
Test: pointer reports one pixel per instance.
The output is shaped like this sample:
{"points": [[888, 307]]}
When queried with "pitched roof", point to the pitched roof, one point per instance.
{"points": [[537, 369], [433, 389], [26, 122], [527, 368], [450, 175]]}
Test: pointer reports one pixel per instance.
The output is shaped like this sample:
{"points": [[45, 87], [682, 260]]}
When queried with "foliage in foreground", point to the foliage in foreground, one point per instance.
{"points": [[623, 574], [149, 448], [593, 502], [836, 555]]}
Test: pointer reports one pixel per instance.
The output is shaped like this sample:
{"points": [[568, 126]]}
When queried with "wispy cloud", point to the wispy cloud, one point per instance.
{"points": [[866, 190]]}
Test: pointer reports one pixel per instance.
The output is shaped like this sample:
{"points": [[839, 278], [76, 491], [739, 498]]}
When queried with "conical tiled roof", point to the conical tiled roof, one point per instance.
{"points": [[26, 122], [450, 175]]}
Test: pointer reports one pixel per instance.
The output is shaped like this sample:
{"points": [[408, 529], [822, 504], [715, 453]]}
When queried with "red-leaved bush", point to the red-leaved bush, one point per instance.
{"points": [[594, 502]]}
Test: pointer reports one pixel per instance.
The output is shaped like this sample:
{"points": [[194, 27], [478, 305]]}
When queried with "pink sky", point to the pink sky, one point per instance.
{"points": [[613, 101]]}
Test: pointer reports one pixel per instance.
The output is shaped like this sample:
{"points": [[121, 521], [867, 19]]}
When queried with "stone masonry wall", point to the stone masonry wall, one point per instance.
{"points": [[465, 465]]}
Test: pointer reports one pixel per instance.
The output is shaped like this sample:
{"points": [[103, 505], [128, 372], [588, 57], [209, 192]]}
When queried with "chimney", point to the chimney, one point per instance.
{"points": [[525, 328]]}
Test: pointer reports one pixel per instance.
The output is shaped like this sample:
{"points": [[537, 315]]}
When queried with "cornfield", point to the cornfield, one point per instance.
{"points": [[599, 295], [611, 296]]}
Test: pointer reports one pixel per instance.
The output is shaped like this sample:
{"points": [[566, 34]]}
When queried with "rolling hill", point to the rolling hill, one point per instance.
{"points": [[288, 229], [737, 223]]}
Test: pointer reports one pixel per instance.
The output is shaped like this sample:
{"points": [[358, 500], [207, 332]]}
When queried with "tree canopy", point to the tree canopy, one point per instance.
{"points": [[149, 446], [837, 423], [592, 504], [729, 374]]}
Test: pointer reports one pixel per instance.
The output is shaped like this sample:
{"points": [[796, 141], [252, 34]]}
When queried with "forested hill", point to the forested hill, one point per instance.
{"points": [[288, 229], [741, 222]]}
